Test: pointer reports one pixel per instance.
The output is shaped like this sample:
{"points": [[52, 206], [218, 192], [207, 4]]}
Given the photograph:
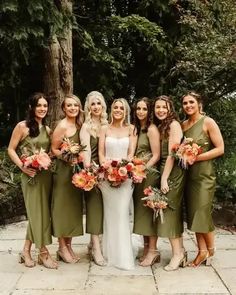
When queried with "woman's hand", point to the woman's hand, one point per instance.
{"points": [[29, 171], [164, 186]]}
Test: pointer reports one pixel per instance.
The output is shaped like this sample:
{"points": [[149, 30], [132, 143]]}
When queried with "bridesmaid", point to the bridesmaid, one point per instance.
{"points": [[200, 181], [95, 118], [148, 148], [67, 200], [30, 134], [172, 180]]}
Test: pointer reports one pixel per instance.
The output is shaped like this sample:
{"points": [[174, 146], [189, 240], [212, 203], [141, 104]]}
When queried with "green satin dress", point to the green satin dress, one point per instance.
{"points": [[93, 199], [172, 227], [67, 200], [37, 193], [200, 184], [143, 216]]}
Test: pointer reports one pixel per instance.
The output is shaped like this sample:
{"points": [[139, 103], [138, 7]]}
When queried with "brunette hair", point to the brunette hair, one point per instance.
{"points": [[31, 123], [198, 98], [80, 117], [164, 125], [136, 121]]}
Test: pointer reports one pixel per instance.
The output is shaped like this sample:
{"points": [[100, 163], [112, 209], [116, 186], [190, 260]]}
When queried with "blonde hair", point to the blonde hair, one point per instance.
{"points": [[92, 129], [126, 119], [80, 117]]}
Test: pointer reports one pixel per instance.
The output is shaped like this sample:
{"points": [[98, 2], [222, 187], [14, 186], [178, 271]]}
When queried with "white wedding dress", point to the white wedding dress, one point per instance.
{"points": [[117, 244]]}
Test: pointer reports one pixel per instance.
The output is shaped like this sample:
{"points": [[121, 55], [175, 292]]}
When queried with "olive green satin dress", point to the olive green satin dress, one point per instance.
{"points": [[172, 227], [143, 216], [200, 184], [37, 194], [67, 200], [93, 199]]}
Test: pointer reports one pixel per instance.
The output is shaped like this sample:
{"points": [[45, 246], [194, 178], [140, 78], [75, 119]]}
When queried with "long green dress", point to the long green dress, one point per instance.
{"points": [[93, 199], [67, 200], [143, 216], [200, 184], [172, 227], [37, 194]]}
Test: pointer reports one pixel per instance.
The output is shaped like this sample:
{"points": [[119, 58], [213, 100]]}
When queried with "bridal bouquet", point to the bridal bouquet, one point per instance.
{"points": [[186, 152], [71, 151], [155, 200], [38, 160], [118, 171], [115, 172]]}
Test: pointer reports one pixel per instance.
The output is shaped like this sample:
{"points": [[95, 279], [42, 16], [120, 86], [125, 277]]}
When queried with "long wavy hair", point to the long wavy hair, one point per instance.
{"points": [[92, 129], [136, 121], [80, 118], [126, 118], [164, 125], [198, 98], [31, 123]]}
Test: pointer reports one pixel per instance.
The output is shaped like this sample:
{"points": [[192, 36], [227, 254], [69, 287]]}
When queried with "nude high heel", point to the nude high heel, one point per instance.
{"points": [[28, 262], [60, 255], [176, 263], [156, 258], [75, 257], [206, 259], [46, 260]]}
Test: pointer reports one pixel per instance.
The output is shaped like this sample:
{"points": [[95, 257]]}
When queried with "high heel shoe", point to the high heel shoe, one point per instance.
{"points": [[145, 251], [28, 261], [176, 263], [75, 257], [155, 259], [46, 260], [60, 255], [101, 262], [201, 259]]}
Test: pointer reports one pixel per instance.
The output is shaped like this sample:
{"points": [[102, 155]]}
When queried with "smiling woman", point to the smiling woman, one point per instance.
{"points": [[66, 198], [116, 142], [29, 137]]}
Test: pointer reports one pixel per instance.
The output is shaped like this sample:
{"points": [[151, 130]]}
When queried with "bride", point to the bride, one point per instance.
{"points": [[117, 142]]}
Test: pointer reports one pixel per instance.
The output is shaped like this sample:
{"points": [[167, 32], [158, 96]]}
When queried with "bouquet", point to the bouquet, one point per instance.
{"points": [[138, 171], [118, 171], [39, 160], [71, 151], [114, 171], [155, 200], [84, 179], [186, 152]]}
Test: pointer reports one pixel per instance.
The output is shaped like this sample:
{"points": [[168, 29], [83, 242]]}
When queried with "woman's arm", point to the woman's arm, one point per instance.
{"points": [[57, 138], [175, 137], [154, 140], [85, 140], [101, 145], [132, 142], [212, 129], [19, 132]]}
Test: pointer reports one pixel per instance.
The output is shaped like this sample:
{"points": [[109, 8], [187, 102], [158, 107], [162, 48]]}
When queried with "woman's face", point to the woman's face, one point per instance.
{"points": [[41, 108], [118, 110], [190, 105], [96, 107], [71, 107], [141, 111], [161, 109]]}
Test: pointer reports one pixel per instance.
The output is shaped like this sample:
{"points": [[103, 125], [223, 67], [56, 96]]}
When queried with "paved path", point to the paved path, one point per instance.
{"points": [[87, 278]]}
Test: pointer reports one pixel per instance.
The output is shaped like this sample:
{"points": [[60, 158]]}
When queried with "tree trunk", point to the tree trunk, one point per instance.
{"points": [[58, 76]]}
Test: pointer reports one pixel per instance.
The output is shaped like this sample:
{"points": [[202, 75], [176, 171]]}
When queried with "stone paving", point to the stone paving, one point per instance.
{"points": [[87, 278]]}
